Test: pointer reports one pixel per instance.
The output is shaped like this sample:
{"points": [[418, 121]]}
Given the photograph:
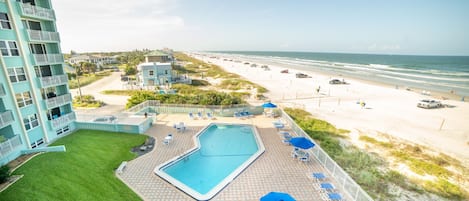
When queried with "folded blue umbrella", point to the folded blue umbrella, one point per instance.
{"points": [[269, 105], [277, 196], [301, 142]]}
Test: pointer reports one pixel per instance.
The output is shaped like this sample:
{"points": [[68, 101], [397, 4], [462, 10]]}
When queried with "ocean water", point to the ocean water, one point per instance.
{"points": [[435, 73]]}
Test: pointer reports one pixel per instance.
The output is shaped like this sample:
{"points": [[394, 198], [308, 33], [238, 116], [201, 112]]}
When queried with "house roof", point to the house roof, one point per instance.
{"points": [[157, 53]]}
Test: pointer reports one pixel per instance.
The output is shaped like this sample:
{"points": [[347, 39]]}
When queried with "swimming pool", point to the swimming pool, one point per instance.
{"points": [[222, 152]]}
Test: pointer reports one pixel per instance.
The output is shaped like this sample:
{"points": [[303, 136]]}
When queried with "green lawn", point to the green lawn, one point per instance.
{"points": [[84, 172]]}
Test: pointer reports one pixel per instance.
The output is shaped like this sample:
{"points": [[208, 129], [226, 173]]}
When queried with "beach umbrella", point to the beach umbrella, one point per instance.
{"points": [[301, 142], [269, 105], [277, 196]]}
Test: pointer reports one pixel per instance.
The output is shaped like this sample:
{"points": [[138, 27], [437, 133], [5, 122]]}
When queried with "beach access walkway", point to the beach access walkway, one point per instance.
{"points": [[274, 170]]}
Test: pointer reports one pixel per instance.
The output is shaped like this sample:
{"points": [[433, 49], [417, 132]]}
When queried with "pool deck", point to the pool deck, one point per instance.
{"points": [[275, 170]]}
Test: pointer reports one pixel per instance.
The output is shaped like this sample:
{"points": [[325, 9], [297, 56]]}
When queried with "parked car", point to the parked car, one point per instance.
{"points": [[337, 81], [302, 75], [428, 104], [254, 65], [284, 71], [125, 78]]}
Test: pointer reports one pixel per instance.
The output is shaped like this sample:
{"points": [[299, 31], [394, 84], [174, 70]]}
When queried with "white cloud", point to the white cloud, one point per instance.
{"points": [[104, 25]]}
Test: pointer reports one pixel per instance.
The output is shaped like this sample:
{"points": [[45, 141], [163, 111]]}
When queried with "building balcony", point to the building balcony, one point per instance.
{"points": [[29, 10], [58, 101], [6, 118], [63, 120], [43, 36], [54, 80], [48, 59], [9, 145]]}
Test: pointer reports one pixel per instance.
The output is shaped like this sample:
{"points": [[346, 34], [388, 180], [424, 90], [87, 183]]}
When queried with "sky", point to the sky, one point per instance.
{"points": [[418, 27]]}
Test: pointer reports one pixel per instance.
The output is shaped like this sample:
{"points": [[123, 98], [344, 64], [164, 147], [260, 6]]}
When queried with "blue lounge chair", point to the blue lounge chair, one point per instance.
{"points": [[246, 114], [209, 115], [238, 115], [334, 196], [327, 187], [191, 116], [199, 115], [319, 176]]}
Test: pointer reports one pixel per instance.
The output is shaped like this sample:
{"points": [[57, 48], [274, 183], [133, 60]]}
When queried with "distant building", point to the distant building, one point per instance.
{"points": [[158, 56], [154, 74], [35, 100], [96, 59]]}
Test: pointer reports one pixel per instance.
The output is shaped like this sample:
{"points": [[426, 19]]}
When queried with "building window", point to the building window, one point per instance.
{"points": [[9, 48], [24, 99], [16, 74], [31, 122], [151, 72], [4, 21], [37, 143], [63, 130]]}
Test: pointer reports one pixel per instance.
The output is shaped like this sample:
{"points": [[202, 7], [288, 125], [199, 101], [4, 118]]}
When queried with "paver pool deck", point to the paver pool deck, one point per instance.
{"points": [[275, 170]]}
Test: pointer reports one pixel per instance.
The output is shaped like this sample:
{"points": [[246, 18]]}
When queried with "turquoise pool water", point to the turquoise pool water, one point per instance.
{"points": [[224, 151]]}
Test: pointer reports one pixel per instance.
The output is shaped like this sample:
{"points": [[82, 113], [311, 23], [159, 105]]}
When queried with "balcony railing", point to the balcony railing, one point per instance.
{"points": [[37, 12], [54, 80], [8, 146], [63, 120], [43, 36], [45, 59], [2, 90], [58, 101], [6, 118]]}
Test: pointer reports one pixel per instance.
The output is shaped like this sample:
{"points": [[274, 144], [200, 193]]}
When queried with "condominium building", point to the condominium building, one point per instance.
{"points": [[35, 101]]}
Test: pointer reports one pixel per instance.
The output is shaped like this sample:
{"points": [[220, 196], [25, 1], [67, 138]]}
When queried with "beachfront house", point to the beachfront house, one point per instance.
{"points": [[96, 59], [154, 74], [158, 56]]}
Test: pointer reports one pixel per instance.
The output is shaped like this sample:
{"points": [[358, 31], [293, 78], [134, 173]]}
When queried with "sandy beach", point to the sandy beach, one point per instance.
{"points": [[389, 109]]}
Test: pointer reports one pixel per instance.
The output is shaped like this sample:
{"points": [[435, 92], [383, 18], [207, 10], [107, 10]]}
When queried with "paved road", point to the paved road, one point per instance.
{"points": [[114, 103]]}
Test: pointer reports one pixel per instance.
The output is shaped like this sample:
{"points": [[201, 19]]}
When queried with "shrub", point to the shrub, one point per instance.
{"points": [[446, 189], [86, 101], [375, 142], [4, 173], [202, 98]]}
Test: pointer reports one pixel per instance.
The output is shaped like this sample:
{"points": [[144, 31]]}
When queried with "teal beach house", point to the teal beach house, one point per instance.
{"points": [[154, 74]]}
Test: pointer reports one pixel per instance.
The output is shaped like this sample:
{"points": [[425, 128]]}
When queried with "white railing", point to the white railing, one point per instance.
{"points": [[341, 177], [36, 35], [8, 146], [6, 118], [38, 12], [58, 101], [53, 80], [63, 120], [44, 59]]}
